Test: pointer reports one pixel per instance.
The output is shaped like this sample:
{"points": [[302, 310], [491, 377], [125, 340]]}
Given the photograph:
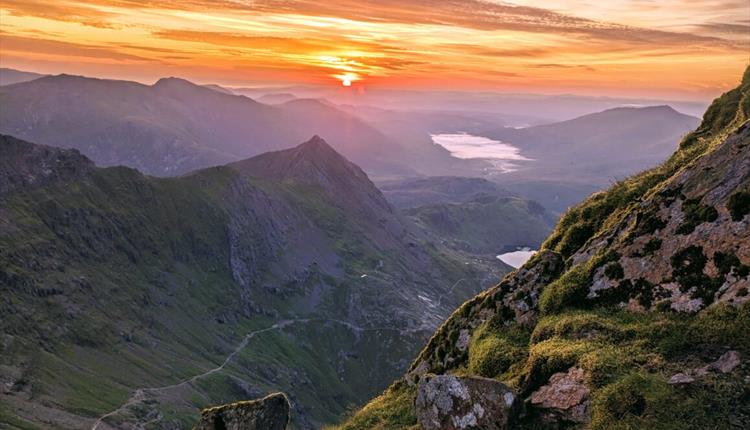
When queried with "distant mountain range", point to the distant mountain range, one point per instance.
{"points": [[599, 147], [471, 215], [175, 126], [288, 271], [12, 76]]}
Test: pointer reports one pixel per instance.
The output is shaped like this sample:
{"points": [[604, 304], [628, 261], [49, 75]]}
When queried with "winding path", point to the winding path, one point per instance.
{"points": [[140, 393]]}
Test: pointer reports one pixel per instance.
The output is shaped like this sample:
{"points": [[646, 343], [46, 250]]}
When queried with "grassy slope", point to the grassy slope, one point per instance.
{"points": [[631, 355]]}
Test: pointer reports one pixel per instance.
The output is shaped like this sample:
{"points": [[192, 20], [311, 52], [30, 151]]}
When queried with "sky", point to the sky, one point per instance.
{"points": [[683, 49]]}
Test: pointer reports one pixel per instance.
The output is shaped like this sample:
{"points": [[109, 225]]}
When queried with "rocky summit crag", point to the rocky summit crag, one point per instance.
{"points": [[634, 314], [129, 300]]}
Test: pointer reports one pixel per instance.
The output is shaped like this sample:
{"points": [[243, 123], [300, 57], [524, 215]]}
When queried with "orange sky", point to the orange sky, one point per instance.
{"points": [[660, 48]]}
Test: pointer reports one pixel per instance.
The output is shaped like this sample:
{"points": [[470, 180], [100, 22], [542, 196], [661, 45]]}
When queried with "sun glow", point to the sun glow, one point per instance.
{"points": [[347, 78], [473, 44]]}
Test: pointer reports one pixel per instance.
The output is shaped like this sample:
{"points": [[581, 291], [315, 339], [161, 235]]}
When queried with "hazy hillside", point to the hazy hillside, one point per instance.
{"points": [[600, 147], [175, 126], [128, 299], [635, 314], [12, 76], [414, 192], [470, 215]]}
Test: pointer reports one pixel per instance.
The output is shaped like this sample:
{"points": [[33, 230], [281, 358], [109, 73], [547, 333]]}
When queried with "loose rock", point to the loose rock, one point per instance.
{"points": [[565, 397], [447, 402], [268, 413]]}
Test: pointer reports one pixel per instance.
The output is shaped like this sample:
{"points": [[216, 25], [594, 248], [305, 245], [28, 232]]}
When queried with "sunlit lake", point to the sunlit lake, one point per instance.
{"points": [[467, 146], [517, 258]]}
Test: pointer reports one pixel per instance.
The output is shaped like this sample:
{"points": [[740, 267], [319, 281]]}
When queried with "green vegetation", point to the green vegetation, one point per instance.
{"points": [[695, 214], [494, 349], [392, 410], [653, 245], [117, 281], [739, 205]]}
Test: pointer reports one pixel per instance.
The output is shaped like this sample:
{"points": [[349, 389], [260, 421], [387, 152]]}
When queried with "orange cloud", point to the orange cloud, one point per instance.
{"points": [[618, 46]]}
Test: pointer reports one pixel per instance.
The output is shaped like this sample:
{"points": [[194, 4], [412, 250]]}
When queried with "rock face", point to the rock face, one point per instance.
{"points": [[517, 295], [565, 397], [447, 402], [268, 413], [25, 165]]}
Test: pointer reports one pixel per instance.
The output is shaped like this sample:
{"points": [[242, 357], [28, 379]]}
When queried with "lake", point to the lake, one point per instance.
{"points": [[467, 146], [517, 258]]}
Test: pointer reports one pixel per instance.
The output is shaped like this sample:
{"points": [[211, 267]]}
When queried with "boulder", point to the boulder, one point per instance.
{"points": [[268, 413], [447, 402], [727, 362], [565, 397], [724, 364]]}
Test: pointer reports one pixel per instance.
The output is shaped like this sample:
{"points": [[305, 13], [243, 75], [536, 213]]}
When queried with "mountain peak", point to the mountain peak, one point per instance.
{"points": [[316, 143], [304, 160], [172, 81], [315, 163]]}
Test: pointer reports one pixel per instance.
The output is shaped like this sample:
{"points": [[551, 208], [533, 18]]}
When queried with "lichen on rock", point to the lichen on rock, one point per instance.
{"points": [[268, 413]]}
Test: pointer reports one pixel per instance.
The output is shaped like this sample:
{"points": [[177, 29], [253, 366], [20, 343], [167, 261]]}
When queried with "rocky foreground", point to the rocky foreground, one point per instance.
{"points": [[635, 314]]}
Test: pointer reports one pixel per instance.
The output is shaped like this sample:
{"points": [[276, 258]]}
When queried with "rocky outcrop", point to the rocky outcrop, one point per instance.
{"points": [[268, 413], [447, 402], [515, 298], [683, 248], [724, 364], [564, 398], [26, 165]]}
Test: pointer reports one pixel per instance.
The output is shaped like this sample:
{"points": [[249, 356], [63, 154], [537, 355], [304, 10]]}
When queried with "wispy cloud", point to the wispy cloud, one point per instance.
{"points": [[564, 44]]}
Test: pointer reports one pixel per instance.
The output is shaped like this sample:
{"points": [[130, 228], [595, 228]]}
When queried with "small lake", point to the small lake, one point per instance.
{"points": [[517, 258], [467, 146]]}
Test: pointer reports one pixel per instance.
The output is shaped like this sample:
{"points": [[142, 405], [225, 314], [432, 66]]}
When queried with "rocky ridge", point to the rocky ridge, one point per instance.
{"points": [[639, 283]]}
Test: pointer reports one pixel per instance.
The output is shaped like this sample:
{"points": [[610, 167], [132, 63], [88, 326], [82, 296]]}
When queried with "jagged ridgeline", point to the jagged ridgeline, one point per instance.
{"points": [[131, 300], [634, 314]]}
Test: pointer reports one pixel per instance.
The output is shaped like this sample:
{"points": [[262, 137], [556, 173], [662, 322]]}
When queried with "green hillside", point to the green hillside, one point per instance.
{"points": [[128, 299]]}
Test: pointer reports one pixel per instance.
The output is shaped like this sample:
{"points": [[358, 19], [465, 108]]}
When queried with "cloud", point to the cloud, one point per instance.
{"points": [[53, 47]]}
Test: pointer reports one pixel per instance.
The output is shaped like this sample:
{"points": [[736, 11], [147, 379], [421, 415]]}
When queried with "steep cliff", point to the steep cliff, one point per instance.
{"points": [[635, 313]]}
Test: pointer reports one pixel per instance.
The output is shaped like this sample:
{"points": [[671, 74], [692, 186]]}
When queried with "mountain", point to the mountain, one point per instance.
{"points": [[635, 313], [130, 300], [277, 98], [12, 76], [487, 225], [414, 192], [599, 147], [470, 215], [175, 126]]}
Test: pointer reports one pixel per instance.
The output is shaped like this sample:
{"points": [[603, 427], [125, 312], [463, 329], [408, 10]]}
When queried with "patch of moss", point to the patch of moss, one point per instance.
{"points": [[549, 357], [648, 223], [614, 271], [635, 398], [575, 325], [725, 262], [393, 410], [493, 350], [569, 290], [696, 213], [739, 205], [653, 245], [688, 265]]}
